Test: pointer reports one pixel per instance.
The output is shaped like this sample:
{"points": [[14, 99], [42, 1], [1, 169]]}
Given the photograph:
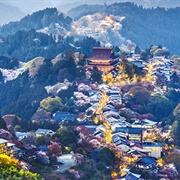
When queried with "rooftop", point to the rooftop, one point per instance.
{"points": [[101, 53], [2, 141], [151, 144], [147, 160], [134, 130], [44, 131]]}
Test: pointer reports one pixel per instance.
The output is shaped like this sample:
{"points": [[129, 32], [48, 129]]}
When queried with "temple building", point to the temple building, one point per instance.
{"points": [[101, 58]]}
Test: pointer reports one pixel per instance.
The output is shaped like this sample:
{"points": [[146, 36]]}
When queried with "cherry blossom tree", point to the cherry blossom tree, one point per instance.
{"points": [[42, 157], [55, 148]]}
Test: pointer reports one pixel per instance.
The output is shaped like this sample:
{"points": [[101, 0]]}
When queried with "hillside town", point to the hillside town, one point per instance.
{"points": [[110, 121]]}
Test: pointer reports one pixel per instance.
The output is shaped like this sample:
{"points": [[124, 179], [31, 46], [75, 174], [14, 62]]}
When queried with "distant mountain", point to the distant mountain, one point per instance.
{"points": [[158, 3], [50, 32], [66, 6], [49, 17], [28, 7], [9, 13], [142, 26]]}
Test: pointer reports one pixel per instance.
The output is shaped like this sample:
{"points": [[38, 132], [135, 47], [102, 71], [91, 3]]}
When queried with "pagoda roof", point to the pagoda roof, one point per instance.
{"points": [[101, 53]]}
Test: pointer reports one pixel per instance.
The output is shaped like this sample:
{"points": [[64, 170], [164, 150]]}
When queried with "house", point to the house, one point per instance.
{"points": [[139, 63], [146, 163], [135, 154], [94, 154], [29, 152], [112, 114], [120, 127], [6, 147], [95, 98], [116, 139], [10, 149], [17, 152], [43, 148], [21, 135], [135, 134], [44, 132], [87, 123], [115, 95], [132, 176], [64, 116], [101, 58], [148, 127], [136, 56], [155, 149]]}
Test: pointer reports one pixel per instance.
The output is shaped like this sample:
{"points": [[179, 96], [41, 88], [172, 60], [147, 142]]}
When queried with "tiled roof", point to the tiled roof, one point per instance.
{"points": [[2, 141], [43, 131], [101, 53], [134, 130]]}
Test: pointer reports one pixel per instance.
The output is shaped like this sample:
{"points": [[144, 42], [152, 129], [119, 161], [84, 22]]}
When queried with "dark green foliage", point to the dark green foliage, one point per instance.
{"points": [[2, 123], [7, 63], [15, 121], [29, 125], [45, 72], [159, 106], [176, 124], [137, 50], [67, 95], [173, 95], [143, 26], [144, 55], [175, 80], [52, 104], [68, 137], [37, 20], [40, 140], [129, 68], [96, 75], [22, 98], [173, 158], [107, 157], [23, 95], [140, 94], [86, 45], [22, 41], [175, 131], [80, 72], [25, 45]]}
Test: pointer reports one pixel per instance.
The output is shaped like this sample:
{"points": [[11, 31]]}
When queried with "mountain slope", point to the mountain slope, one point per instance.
{"points": [[144, 27], [38, 20]]}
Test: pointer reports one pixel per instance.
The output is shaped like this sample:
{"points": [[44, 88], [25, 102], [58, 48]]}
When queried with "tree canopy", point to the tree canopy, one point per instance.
{"points": [[51, 104]]}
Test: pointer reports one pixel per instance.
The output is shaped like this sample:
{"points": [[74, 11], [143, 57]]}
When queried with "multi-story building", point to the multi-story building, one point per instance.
{"points": [[101, 58], [155, 149], [6, 147]]}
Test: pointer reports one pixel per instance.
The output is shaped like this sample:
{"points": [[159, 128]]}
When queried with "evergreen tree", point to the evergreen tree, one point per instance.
{"points": [[2, 123], [96, 74], [137, 50]]}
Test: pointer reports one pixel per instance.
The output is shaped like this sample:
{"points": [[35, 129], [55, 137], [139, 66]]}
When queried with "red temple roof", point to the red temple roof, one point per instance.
{"points": [[101, 53]]}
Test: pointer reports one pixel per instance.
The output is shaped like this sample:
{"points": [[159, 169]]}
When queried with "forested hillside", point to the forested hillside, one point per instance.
{"points": [[22, 95], [142, 26], [38, 20]]}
